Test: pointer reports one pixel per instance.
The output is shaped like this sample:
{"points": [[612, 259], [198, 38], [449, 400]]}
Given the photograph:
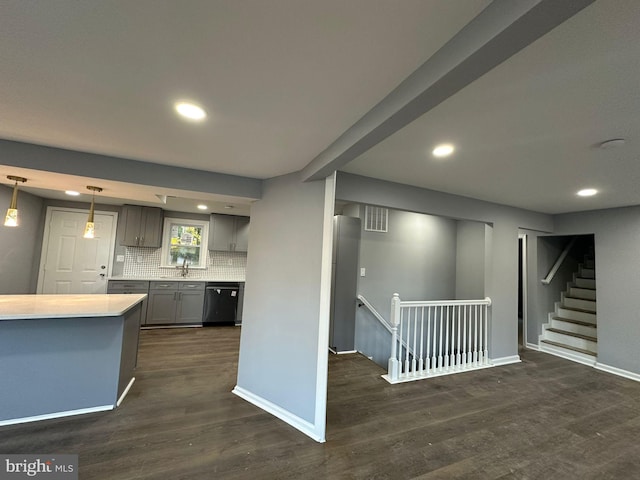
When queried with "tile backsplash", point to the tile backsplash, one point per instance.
{"points": [[144, 262]]}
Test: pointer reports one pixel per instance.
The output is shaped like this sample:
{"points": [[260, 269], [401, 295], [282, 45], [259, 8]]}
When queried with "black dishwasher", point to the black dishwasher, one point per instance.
{"points": [[220, 304]]}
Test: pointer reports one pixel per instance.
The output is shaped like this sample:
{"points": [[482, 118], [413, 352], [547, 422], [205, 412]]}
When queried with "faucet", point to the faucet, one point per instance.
{"points": [[184, 268]]}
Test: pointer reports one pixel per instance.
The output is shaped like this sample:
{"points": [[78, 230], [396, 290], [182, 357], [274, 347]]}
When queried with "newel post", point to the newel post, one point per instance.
{"points": [[394, 363]]}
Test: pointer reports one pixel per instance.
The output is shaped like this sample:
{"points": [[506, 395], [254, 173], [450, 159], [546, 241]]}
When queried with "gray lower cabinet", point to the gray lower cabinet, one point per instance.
{"points": [[131, 286], [175, 303]]}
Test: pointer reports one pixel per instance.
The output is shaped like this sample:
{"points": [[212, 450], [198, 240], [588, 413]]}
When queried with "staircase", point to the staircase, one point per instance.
{"points": [[572, 329]]}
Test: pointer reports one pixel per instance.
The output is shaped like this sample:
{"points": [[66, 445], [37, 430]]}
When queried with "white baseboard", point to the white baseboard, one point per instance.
{"points": [[532, 346], [49, 416], [584, 359], [617, 371], [505, 360], [301, 424], [126, 390]]}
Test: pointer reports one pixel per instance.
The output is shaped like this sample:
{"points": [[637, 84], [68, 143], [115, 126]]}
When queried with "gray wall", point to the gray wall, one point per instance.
{"points": [[20, 246], [415, 258], [470, 260], [280, 326], [617, 232], [501, 271]]}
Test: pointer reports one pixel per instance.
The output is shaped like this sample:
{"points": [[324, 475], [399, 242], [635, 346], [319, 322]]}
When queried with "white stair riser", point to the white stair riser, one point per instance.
{"points": [[566, 353], [585, 282], [574, 328], [587, 273], [583, 293], [573, 315], [578, 303], [569, 340]]}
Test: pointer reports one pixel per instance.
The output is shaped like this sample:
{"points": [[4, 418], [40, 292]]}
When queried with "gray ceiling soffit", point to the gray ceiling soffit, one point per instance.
{"points": [[52, 159], [501, 30]]}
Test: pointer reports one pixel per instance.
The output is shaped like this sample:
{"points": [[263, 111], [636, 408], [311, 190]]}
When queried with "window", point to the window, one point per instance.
{"points": [[184, 240]]}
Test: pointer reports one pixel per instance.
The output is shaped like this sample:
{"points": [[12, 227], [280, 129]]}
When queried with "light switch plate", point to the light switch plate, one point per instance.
{"points": [[120, 258], [363, 272]]}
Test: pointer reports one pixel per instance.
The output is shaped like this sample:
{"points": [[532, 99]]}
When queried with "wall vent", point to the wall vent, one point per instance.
{"points": [[376, 219]]}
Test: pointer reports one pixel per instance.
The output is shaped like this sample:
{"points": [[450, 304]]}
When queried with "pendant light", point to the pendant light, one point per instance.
{"points": [[11, 220], [89, 229]]}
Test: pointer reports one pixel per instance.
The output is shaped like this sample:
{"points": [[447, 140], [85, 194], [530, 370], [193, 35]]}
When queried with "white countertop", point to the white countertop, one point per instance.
{"points": [[18, 307], [176, 279]]}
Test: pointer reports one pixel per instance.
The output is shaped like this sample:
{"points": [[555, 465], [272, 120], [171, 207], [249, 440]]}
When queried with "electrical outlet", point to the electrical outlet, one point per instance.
{"points": [[120, 258], [363, 272], [140, 259], [230, 262]]}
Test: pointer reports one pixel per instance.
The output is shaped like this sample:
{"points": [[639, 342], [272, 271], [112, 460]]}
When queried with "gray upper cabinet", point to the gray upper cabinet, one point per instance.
{"points": [[228, 233], [142, 226]]}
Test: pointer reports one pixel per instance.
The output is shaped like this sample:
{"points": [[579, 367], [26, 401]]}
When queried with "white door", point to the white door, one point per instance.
{"points": [[71, 263]]}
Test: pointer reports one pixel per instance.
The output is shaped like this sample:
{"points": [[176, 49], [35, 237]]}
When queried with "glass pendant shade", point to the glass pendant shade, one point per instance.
{"points": [[90, 230], [90, 227], [11, 219]]}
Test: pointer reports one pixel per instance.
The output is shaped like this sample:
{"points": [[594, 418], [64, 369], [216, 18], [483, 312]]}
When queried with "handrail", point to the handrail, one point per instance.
{"points": [[431, 303], [556, 266], [371, 308]]}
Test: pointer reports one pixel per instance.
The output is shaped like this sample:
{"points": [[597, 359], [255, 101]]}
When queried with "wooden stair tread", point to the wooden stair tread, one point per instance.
{"points": [[569, 347], [577, 322], [573, 334], [583, 310]]}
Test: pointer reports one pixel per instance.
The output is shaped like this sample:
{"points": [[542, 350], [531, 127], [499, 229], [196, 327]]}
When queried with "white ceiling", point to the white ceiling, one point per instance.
{"points": [[282, 79], [527, 132]]}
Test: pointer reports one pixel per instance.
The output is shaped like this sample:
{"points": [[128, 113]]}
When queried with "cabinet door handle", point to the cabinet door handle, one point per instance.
{"points": [[137, 240], [174, 295], [141, 240]]}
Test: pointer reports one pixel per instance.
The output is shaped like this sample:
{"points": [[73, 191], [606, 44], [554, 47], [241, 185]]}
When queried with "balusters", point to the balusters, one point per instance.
{"points": [[450, 336], [429, 364], [406, 342], [420, 362]]}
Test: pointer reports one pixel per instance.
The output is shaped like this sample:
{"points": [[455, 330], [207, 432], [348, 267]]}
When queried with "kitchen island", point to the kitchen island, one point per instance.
{"points": [[65, 355]]}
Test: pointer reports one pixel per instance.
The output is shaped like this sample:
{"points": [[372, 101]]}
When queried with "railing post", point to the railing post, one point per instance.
{"points": [[394, 364]]}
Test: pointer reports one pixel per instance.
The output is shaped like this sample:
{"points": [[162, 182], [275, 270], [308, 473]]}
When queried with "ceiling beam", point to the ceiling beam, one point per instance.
{"points": [[501, 30], [92, 165]]}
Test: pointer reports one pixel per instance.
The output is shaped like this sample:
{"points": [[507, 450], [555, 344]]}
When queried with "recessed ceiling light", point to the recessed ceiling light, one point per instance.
{"points": [[202, 207], [587, 192], [73, 193], [190, 111], [443, 150]]}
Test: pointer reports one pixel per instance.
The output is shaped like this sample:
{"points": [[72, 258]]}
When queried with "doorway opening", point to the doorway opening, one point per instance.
{"points": [[522, 290]]}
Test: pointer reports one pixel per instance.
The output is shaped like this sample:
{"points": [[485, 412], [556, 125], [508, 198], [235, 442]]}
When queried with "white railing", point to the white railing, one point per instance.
{"points": [[440, 337]]}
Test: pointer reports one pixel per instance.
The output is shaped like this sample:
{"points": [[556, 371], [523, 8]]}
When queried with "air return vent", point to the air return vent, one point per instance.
{"points": [[376, 219]]}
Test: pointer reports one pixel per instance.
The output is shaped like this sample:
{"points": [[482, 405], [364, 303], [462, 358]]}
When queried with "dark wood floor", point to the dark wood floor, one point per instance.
{"points": [[545, 418]]}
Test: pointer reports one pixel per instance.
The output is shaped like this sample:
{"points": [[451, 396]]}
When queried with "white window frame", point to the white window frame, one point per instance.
{"points": [[166, 241]]}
